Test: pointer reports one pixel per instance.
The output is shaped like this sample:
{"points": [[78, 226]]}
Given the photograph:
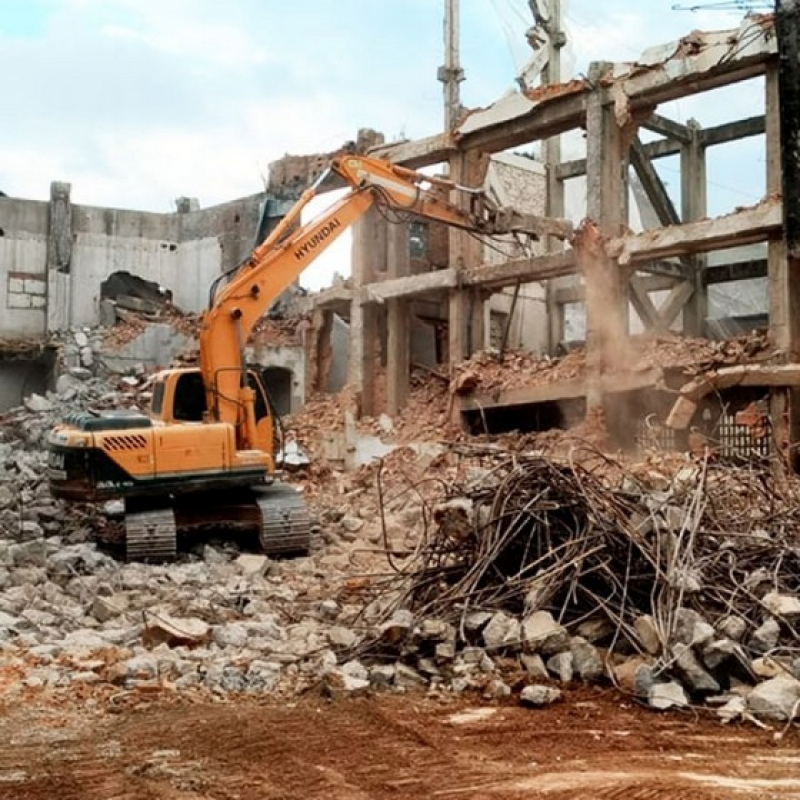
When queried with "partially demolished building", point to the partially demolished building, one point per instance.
{"points": [[423, 296]]}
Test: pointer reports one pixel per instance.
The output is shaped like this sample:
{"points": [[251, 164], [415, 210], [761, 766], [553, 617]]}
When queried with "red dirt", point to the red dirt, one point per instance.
{"points": [[594, 745]]}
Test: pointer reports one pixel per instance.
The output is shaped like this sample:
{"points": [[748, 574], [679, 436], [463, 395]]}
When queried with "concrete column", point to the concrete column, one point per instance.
{"points": [[319, 351], [606, 299], [555, 208], [694, 206], [478, 320], [367, 257], [59, 258], [398, 340], [780, 328], [784, 303], [467, 169]]}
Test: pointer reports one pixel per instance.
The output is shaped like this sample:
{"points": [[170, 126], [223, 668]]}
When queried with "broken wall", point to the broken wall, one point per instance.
{"points": [[185, 252], [517, 317], [23, 267]]}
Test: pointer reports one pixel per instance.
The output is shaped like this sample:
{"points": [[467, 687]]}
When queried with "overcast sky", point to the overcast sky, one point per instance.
{"points": [[137, 102]]}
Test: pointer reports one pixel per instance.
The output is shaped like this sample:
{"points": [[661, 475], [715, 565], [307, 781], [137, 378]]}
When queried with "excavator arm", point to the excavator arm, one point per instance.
{"points": [[273, 266]]}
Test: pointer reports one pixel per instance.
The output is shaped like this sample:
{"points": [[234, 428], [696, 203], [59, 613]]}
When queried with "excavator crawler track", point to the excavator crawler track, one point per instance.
{"points": [[150, 535], [285, 523]]}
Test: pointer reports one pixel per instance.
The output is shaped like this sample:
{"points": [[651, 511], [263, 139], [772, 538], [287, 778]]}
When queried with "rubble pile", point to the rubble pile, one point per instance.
{"points": [[462, 567], [681, 588], [26, 508], [494, 371], [221, 619]]}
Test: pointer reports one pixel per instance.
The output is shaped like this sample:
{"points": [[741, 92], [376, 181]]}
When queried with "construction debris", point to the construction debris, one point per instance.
{"points": [[685, 579], [514, 572]]}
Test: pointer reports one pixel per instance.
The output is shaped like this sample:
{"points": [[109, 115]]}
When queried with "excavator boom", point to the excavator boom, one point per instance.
{"points": [[275, 264], [204, 457]]}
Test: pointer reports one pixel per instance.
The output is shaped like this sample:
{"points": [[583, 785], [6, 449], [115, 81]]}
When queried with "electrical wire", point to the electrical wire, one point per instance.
{"points": [[726, 5]]}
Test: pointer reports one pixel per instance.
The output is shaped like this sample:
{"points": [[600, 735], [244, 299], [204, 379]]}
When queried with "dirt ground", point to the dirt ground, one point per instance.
{"points": [[595, 744]]}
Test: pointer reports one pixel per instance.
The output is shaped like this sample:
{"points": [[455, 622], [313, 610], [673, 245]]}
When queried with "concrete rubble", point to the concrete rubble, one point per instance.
{"points": [[222, 620]]}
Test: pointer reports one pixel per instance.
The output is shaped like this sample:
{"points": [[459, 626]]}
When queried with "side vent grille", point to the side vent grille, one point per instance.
{"points": [[124, 442]]}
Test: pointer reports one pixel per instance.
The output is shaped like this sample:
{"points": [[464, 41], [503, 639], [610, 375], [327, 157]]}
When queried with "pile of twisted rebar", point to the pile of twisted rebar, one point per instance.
{"points": [[589, 537]]}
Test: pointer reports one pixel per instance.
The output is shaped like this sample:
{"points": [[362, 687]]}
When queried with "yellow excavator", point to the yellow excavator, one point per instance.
{"points": [[204, 455]]}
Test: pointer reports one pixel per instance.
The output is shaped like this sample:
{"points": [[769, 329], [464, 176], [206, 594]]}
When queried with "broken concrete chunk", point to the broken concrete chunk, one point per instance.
{"points": [[445, 652], [174, 631], [502, 631], [396, 629], [37, 404], [542, 634], [538, 695], [436, 630], [475, 621], [765, 637], [342, 638], [382, 675], [777, 698], [339, 683], [691, 628], [533, 664], [595, 630], [586, 660], [769, 667], [667, 695], [352, 524], [692, 672], [733, 710], [496, 689], [406, 677], [105, 608], [732, 628], [233, 634], [784, 606], [627, 675], [250, 564], [561, 666]]}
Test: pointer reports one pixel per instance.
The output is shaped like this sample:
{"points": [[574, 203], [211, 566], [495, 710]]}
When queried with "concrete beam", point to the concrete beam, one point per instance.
{"points": [[682, 412], [561, 390], [525, 270], [649, 283], [667, 128], [733, 131], [699, 62], [418, 153], [333, 297], [750, 225], [738, 271], [410, 286], [660, 149]]}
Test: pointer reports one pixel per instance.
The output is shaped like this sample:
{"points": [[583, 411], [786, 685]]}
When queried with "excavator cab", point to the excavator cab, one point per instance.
{"points": [[180, 396]]}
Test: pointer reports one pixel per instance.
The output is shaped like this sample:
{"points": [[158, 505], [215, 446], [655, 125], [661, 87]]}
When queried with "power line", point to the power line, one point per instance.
{"points": [[727, 5]]}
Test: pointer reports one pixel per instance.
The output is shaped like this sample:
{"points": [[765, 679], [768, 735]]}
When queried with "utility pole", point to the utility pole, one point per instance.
{"points": [[451, 73], [547, 39]]}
